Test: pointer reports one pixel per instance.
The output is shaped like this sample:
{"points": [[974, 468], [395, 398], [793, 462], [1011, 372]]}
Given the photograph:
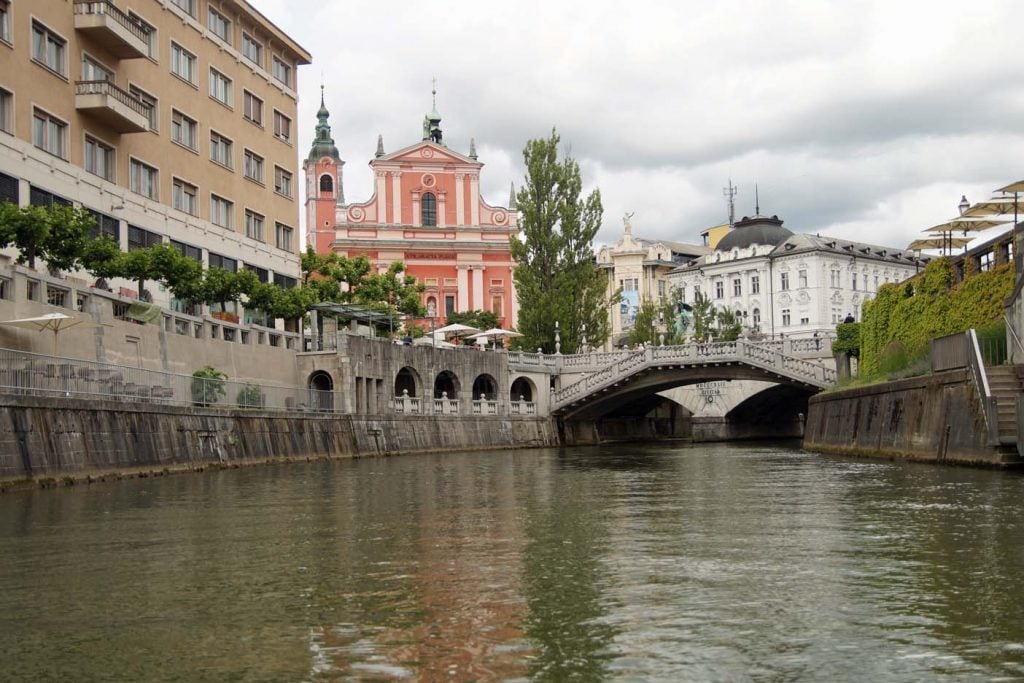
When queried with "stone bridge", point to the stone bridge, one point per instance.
{"points": [[627, 377]]}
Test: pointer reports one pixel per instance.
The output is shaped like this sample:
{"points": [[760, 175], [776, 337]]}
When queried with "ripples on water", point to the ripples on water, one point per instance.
{"points": [[703, 563]]}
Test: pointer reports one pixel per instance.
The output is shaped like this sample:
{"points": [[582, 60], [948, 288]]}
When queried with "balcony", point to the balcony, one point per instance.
{"points": [[111, 27], [106, 102]]}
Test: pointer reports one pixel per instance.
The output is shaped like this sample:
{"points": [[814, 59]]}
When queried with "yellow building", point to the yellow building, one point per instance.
{"points": [[171, 120], [715, 233]]}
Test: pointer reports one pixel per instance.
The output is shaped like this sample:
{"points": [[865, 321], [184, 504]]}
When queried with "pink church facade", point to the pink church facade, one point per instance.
{"points": [[426, 211]]}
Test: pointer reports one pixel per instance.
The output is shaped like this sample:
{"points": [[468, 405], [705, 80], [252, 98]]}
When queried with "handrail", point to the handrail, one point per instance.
{"points": [[106, 7], [1009, 326], [108, 88], [988, 401]]}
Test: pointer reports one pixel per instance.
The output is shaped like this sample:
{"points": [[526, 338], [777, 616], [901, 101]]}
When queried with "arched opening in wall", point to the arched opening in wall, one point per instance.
{"points": [[522, 390], [485, 388], [428, 207], [446, 385], [431, 307], [321, 391], [326, 184], [407, 381]]}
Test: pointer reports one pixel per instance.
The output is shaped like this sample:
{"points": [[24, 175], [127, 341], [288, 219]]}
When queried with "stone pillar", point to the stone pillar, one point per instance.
{"points": [[442, 198], [382, 211], [462, 302], [478, 288], [396, 197], [474, 198], [416, 215], [460, 199]]}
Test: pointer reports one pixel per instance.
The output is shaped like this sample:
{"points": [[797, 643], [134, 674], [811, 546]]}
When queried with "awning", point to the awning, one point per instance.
{"points": [[357, 313]]}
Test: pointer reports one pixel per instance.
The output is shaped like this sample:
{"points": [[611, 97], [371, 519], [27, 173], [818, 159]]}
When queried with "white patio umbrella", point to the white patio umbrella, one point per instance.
{"points": [[494, 333], [456, 329], [53, 322]]}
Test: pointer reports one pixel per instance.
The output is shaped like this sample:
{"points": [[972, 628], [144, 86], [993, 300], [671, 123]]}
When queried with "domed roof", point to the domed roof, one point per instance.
{"points": [[755, 230]]}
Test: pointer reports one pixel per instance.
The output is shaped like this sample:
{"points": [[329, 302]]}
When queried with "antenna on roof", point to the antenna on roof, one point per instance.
{"points": [[757, 202], [729, 193]]}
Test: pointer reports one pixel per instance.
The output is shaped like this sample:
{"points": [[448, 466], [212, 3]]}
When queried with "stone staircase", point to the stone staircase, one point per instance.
{"points": [[1006, 383]]}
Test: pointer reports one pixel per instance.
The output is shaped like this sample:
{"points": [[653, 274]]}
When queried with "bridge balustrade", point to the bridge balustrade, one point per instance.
{"points": [[446, 406], [406, 404], [522, 408], [485, 407]]}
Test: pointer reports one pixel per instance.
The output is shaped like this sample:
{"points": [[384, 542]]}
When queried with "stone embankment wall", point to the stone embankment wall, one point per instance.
{"points": [[935, 418], [53, 437]]}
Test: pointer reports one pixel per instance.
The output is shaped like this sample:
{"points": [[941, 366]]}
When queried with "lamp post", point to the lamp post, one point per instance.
{"points": [[558, 339], [583, 339], [962, 207], [917, 261]]}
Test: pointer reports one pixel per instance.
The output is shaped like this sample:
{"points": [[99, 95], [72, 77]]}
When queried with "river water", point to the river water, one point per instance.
{"points": [[638, 562]]}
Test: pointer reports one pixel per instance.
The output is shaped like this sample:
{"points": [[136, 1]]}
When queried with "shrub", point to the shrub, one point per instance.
{"points": [[208, 386], [250, 396]]}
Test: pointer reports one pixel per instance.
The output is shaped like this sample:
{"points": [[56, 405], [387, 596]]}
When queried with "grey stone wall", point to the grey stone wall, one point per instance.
{"points": [[935, 418], [47, 437]]}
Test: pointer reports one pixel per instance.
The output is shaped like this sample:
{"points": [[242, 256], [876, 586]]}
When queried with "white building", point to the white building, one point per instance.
{"points": [[781, 283]]}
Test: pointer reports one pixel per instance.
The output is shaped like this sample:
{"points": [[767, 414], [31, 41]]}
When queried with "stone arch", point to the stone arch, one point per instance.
{"points": [[446, 382], [321, 390], [485, 388], [408, 380], [326, 184], [523, 389]]}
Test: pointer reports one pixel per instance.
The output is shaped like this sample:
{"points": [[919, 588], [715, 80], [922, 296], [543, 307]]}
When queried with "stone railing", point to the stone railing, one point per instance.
{"points": [[109, 9], [737, 352]]}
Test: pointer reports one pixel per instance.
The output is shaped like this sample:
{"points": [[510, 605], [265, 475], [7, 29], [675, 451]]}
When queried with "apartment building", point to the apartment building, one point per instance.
{"points": [[171, 120]]}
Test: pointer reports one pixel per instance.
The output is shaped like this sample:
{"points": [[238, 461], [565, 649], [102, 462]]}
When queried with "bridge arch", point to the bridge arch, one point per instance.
{"points": [[485, 387], [407, 380], [321, 390], [446, 382], [523, 389]]}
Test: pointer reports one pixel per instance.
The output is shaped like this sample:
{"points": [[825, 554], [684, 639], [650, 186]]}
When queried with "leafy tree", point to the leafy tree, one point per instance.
{"points": [[703, 317], [390, 292], [482, 320], [56, 234], [555, 277], [100, 257], [208, 386], [136, 265], [646, 326], [729, 326], [292, 303], [181, 274], [223, 286]]}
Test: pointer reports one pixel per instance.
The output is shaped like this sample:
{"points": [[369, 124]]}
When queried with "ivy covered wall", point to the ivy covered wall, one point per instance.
{"points": [[927, 306]]}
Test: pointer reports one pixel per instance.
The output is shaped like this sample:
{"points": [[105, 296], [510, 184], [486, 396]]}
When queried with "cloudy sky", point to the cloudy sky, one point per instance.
{"points": [[861, 120]]}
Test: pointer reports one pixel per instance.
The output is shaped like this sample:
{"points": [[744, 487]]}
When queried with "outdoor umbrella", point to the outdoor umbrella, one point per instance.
{"points": [[456, 329], [54, 322], [494, 333], [966, 225]]}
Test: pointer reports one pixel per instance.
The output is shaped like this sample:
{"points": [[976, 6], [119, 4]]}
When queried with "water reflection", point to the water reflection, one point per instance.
{"points": [[646, 563]]}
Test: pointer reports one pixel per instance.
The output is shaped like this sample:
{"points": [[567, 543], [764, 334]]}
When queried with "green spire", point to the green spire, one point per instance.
{"points": [[323, 143]]}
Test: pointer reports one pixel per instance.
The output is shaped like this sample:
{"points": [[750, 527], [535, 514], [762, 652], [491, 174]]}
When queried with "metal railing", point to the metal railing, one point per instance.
{"points": [[1013, 335], [108, 8], [108, 88], [976, 365], [29, 373]]}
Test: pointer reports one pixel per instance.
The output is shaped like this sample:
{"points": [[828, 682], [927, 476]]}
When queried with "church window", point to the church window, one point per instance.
{"points": [[326, 184], [428, 204], [756, 317]]}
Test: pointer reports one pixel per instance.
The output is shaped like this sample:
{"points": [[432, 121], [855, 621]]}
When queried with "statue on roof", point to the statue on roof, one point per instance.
{"points": [[627, 223]]}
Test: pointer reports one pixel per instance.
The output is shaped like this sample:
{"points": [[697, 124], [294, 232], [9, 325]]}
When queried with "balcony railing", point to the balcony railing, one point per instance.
{"points": [[102, 99], [125, 36]]}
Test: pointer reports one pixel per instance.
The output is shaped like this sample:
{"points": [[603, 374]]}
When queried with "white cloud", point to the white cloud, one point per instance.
{"points": [[864, 120]]}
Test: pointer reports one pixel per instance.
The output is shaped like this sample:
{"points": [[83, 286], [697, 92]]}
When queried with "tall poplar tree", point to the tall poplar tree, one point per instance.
{"points": [[555, 276]]}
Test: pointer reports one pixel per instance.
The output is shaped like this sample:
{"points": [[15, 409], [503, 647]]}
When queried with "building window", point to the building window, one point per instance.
{"points": [[139, 238], [220, 150], [853, 281], [148, 100], [94, 71], [6, 111], [834, 279], [498, 305], [254, 225], [326, 184], [5, 21], [184, 130], [149, 30], [784, 282], [253, 166], [49, 134], [985, 261], [99, 158], [284, 282], [428, 205], [253, 108], [252, 50], [183, 63], [719, 289], [106, 226], [449, 304], [219, 25], [282, 72], [282, 126], [187, 250], [49, 49], [801, 277], [662, 287], [220, 87], [143, 179], [40, 197], [220, 211], [785, 316], [805, 321], [283, 236], [189, 6], [223, 262], [755, 284], [184, 196], [282, 181], [756, 317], [737, 287]]}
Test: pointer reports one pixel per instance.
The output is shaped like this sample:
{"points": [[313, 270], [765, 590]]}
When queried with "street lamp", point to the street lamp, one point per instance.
{"points": [[964, 204], [917, 261]]}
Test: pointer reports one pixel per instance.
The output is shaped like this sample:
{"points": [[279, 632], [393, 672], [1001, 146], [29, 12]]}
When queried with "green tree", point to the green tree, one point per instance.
{"points": [[221, 286], [703, 317], [56, 234], [646, 326], [729, 326], [208, 386], [391, 291], [100, 257], [555, 278], [482, 320]]}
